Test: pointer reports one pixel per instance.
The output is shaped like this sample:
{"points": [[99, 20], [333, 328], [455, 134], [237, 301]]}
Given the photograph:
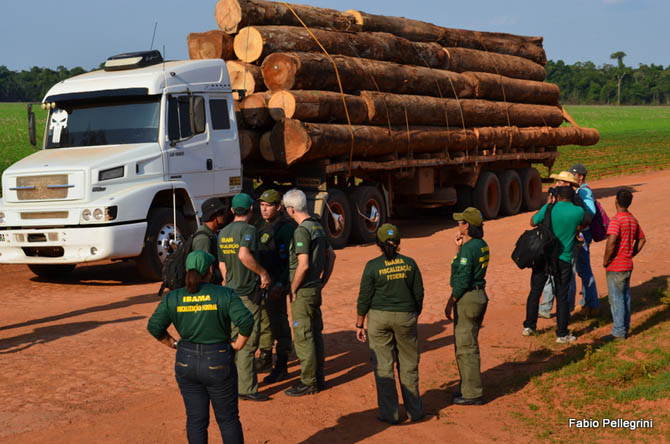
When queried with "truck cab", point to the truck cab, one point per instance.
{"points": [[129, 154]]}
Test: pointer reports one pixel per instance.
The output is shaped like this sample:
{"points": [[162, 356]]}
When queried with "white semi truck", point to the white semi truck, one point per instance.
{"points": [[131, 151]]}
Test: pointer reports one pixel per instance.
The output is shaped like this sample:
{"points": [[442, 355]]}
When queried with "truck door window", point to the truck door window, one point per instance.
{"points": [[186, 117], [219, 112]]}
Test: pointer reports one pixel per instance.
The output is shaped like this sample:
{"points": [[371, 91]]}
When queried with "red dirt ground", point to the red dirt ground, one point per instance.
{"points": [[77, 364]]}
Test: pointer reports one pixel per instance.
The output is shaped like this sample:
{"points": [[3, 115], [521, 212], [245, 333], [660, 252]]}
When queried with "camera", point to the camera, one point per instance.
{"points": [[553, 191]]}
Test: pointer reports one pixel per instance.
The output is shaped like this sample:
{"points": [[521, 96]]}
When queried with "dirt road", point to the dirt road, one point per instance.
{"points": [[77, 364]]}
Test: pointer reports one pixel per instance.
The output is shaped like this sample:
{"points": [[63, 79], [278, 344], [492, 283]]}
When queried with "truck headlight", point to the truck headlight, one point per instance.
{"points": [[98, 214], [112, 173], [86, 214]]}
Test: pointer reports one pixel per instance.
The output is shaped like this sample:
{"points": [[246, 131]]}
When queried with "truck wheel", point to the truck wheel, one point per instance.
{"points": [[158, 242], [531, 187], [486, 197], [336, 218], [52, 271], [369, 213], [510, 185], [463, 197]]}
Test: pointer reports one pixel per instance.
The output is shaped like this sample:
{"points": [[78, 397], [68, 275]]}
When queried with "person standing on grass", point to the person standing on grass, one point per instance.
{"points": [[391, 296], [625, 240]]}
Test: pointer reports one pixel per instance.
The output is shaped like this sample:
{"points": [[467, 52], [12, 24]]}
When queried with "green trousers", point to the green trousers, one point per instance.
{"points": [[275, 326], [247, 379], [393, 340], [307, 336], [468, 318]]}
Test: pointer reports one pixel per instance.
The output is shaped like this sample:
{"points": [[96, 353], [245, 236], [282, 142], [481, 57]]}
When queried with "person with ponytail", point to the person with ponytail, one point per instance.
{"points": [[391, 297], [204, 367]]}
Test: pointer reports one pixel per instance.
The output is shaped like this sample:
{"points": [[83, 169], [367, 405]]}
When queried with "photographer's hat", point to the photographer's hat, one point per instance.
{"points": [[565, 176]]}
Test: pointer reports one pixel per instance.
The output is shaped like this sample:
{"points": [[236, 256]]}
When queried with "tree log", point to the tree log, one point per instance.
{"points": [[464, 59], [257, 42], [266, 147], [317, 106], [249, 143], [254, 110], [315, 71], [245, 76], [495, 87], [233, 15], [210, 45], [522, 46], [294, 141], [397, 109]]}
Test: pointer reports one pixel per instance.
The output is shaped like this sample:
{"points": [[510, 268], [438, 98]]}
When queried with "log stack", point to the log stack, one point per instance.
{"points": [[328, 84]]}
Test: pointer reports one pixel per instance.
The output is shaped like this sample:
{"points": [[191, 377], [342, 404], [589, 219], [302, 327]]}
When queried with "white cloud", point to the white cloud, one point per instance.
{"points": [[502, 20]]}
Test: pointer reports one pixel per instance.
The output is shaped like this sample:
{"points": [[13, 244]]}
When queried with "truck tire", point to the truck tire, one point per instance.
{"points": [[511, 195], [369, 213], [336, 218], [463, 197], [531, 187], [486, 197], [52, 271], [160, 231]]}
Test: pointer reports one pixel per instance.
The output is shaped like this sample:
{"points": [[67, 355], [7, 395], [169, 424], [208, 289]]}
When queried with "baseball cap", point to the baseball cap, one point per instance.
{"points": [[578, 168], [199, 261], [270, 196], [241, 202], [565, 176], [211, 207], [388, 232], [471, 215]]}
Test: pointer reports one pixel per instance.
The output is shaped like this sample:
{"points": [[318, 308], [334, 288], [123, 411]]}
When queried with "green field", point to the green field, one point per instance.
{"points": [[632, 138]]}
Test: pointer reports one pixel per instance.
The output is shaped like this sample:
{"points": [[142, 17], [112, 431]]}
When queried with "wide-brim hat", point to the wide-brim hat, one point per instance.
{"points": [[565, 176], [211, 207]]}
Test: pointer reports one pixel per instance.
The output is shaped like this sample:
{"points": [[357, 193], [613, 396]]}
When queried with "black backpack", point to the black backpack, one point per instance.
{"points": [[538, 244], [174, 268]]}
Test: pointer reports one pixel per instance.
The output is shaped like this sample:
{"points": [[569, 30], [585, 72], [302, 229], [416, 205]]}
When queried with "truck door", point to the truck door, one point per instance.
{"points": [[190, 153], [226, 147]]}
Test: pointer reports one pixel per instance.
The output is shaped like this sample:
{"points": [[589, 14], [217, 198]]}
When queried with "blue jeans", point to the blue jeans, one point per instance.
{"points": [[548, 295], [206, 373], [618, 287], [583, 269]]}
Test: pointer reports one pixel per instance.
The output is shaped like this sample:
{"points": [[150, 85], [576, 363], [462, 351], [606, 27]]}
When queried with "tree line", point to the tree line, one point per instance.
{"points": [[580, 83]]}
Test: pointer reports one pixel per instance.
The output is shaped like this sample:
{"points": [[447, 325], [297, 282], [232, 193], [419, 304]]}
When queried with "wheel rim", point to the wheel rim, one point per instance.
{"points": [[166, 242], [492, 196], [372, 216], [336, 220]]}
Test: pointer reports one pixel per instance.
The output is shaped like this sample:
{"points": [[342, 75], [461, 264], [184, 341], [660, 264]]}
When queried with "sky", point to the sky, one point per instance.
{"points": [[85, 32]]}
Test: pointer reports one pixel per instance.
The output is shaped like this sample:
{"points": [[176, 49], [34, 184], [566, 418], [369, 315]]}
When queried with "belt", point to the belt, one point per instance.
{"points": [[203, 347], [477, 287]]}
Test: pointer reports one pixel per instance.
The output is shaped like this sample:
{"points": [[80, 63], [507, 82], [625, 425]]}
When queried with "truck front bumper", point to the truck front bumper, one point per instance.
{"points": [[71, 245]]}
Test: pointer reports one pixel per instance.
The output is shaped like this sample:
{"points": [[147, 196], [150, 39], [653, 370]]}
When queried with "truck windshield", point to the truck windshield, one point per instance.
{"points": [[112, 122]]}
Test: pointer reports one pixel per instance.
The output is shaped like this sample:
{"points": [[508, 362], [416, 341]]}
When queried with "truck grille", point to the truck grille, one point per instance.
{"points": [[42, 187]]}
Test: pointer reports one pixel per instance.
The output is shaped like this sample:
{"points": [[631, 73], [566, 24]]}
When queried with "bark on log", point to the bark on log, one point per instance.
{"points": [[294, 141], [317, 106], [245, 76], [464, 59], [254, 110], [397, 109], [233, 15], [249, 143], [312, 71], [495, 87], [210, 45], [522, 46], [257, 42]]}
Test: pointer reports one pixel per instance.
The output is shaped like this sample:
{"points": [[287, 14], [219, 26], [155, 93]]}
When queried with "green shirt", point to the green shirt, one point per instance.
{"points": [[565, 218], [205, 240], [309, 238], [468, 268], [203, 317], [231, 238], [394, 285], [274, 240]]}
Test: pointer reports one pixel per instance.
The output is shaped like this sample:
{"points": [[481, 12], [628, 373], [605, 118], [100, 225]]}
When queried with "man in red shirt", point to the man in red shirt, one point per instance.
{"points": [[625, 240]]}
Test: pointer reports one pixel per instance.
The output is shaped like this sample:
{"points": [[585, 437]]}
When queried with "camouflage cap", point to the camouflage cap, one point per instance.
{"points": [[199, 261], [471, 215], [388, 232], [270, 196]]}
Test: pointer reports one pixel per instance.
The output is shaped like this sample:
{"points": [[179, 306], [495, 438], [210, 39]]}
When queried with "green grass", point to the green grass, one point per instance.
{"points": [[14, 140]]}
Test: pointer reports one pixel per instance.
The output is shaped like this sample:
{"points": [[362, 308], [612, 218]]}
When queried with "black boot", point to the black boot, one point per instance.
{"points": [[279, 372], [264, 362]]}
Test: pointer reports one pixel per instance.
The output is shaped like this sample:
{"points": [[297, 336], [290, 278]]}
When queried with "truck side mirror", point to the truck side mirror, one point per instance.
{"points": [[31, 125], [197, 114]]}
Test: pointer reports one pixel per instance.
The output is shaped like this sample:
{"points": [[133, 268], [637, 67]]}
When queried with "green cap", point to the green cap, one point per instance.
{"points": [[388, 232], [199, 261], [270, 196], [471, 215], [241, 202]]}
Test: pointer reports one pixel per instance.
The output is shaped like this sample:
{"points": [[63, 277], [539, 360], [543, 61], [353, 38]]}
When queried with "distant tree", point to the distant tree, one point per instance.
{"points": [[618, 56]]}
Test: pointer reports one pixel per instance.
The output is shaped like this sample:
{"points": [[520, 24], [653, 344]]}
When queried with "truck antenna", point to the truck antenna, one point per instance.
{"points": [[153, 36]]}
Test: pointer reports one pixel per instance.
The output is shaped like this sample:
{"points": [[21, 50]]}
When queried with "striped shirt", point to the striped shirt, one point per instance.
{"points": [[627, 230]]}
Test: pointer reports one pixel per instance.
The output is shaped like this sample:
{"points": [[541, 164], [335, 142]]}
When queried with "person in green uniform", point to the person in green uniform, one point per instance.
{"points": [[238, 247], [468, 302], [391, 296], [204, 366], [274, 238], [310, 264], [213, 216]]}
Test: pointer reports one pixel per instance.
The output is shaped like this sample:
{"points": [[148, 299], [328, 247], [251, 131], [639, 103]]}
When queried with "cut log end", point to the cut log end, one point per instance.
{"points": [[248, 44], [279, 71], [282, 105], [228, 14], [245, 77], [290, 141], [249, 143], [266, 147]]}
